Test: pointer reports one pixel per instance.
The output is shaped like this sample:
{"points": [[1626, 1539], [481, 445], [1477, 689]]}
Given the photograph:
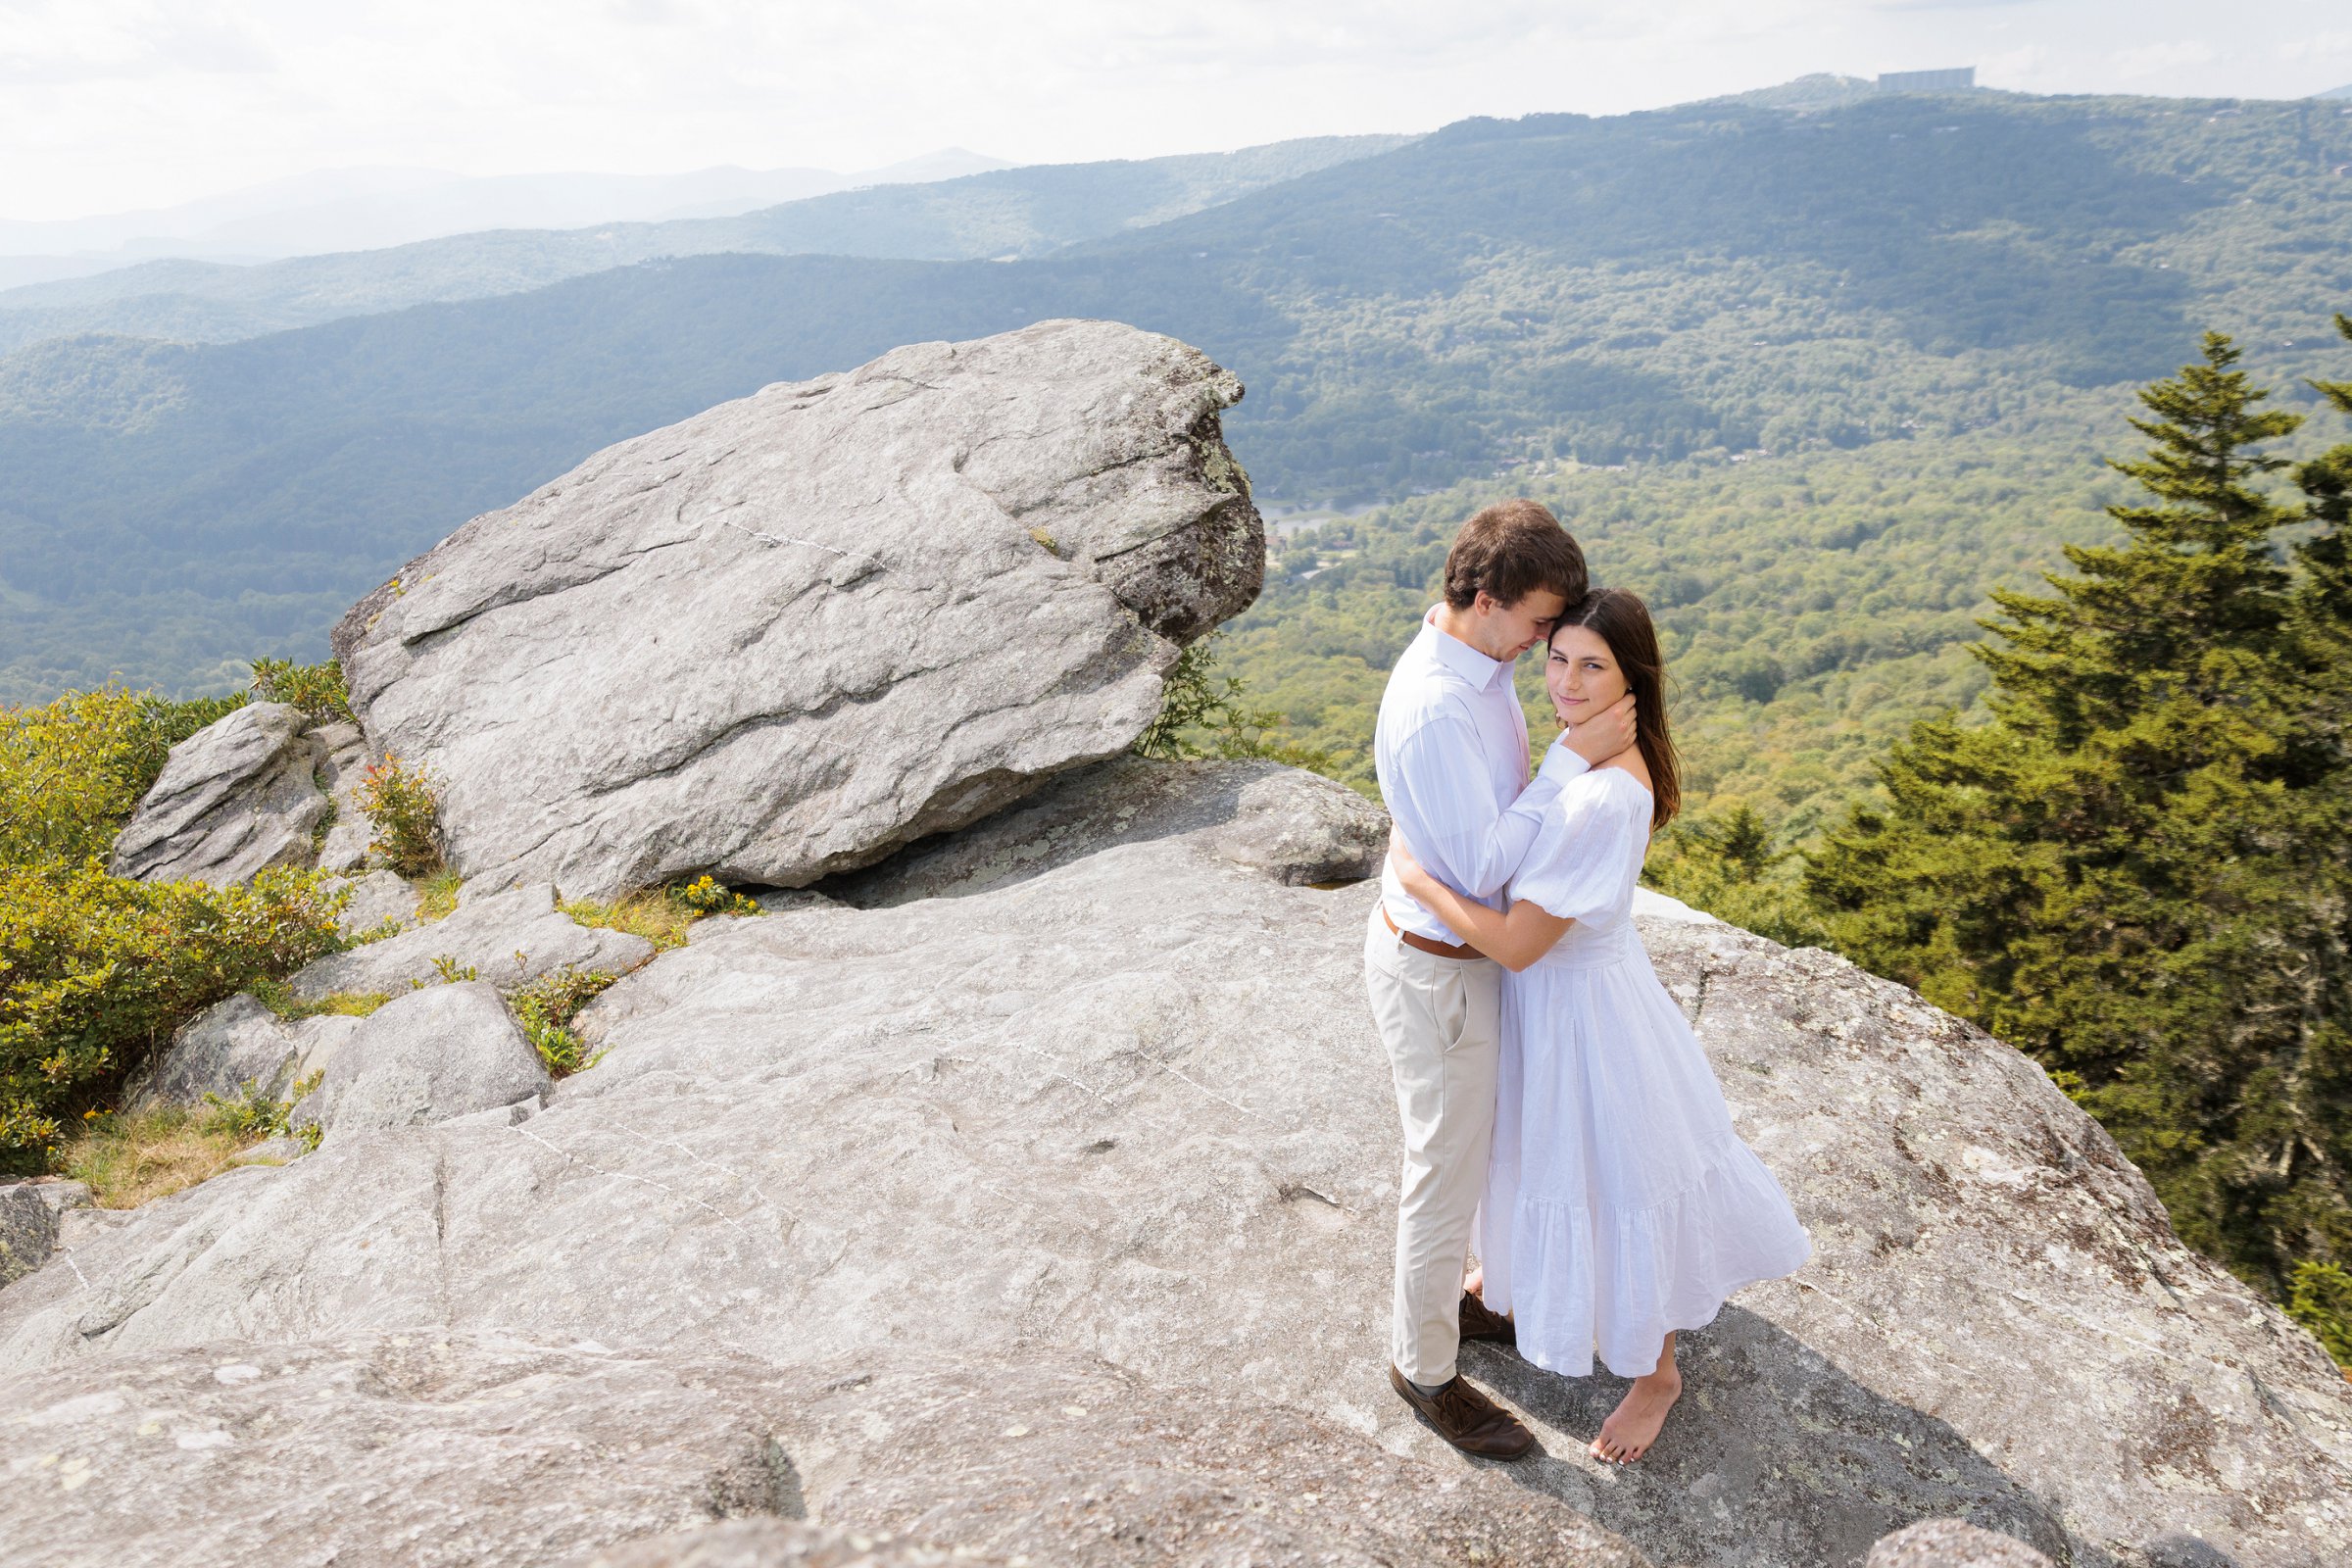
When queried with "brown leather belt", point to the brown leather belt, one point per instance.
{"points": [[1414, 939]]}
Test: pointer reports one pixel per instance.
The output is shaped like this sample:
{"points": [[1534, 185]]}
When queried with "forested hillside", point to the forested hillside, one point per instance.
{"points": [[1876, 294], [1812, 604]]}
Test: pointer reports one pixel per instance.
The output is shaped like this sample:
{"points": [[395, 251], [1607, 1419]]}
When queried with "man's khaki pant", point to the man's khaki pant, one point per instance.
{"points": [[1440, 1021]]}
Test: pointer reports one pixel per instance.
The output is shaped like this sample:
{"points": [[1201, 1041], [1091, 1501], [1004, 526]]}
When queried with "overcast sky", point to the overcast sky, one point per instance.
{"points": [[108, 104]]}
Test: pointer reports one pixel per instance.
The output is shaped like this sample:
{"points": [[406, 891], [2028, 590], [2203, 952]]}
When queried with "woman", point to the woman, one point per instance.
{"points": [[1620, 1205]]}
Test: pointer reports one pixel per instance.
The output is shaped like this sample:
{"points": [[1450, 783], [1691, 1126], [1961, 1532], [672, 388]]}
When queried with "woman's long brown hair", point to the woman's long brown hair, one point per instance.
{"points": [[1623, 622]]}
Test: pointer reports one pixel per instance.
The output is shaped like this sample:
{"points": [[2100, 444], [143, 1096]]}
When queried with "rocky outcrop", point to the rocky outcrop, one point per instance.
{"points": [[507, 937], [412, 1451], [1292, 826], [30, 1215], [425, 1057], [235, 799], [1132, 1109], [232, 1046], [376, 903], [780, 1544], [795, 631], [1953, 1544], [425, 1450], [232, 1042], [1064, 1460], [342, 768]]}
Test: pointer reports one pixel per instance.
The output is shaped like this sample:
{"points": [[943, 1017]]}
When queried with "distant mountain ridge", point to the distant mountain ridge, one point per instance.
{"points": [[1702, 284], [365, 209], [1013, 211]]}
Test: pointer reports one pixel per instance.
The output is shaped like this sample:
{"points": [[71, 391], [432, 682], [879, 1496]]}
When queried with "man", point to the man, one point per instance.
{"points": [[1453, 757]]}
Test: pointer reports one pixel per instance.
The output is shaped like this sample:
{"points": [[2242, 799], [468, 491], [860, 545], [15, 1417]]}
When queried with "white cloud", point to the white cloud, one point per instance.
{"points": [[111, 104]]}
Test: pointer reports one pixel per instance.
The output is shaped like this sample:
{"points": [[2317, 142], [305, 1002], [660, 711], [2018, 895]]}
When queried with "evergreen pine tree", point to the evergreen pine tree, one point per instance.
{"points": [[2119, 873]]}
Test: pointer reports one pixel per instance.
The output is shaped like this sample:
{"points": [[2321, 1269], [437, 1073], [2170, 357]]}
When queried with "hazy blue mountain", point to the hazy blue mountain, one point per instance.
{"points": [[2345, 91], [1015, 212], [1681, 286], [356, 209]]}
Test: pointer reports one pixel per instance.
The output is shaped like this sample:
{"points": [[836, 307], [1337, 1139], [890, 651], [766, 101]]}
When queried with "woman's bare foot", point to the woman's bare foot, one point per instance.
{"points": [[1630, 1430], [1473, 1282]]}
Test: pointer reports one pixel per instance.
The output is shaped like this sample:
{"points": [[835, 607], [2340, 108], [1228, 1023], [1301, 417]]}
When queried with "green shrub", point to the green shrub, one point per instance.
{"points": [[403, 803], [1733, 866], [71, 770], [317, 689], [2319, 1298], [449, 972], [252, 1115], [546, 1008], [1203, 714], [97, 970]]}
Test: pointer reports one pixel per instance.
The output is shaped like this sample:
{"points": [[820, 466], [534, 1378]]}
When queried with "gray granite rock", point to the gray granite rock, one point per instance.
{"points": [[233, 1044], [1133, 1109], [235, 799], [280, 1151], [507, 937], [345, 757], [374, 900], [407, 1451], [782, 638], [227, 1046], [29, 1214], [1065, 1460], [425, 1057], [1951, 1544], [770, 1542], [1291, 826], [429, 1449]]}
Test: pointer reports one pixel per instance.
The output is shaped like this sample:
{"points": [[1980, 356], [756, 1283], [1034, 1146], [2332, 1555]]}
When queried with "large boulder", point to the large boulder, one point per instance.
{"points": [[232, 1044], [1133, 1108], [428, 1056], [236, 797], [785, 636]]}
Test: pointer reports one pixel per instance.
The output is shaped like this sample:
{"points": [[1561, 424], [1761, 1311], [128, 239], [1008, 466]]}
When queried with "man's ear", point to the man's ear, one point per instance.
{"points": [[1485, 604]]}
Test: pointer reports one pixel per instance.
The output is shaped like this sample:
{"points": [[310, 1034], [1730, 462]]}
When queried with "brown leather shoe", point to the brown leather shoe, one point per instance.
{"points": [[1467, 1419], [1478, 1323]]}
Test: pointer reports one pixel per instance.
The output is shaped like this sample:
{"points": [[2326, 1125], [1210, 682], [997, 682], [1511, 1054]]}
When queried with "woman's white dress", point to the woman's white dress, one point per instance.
{"points": [[1618, 1204]]}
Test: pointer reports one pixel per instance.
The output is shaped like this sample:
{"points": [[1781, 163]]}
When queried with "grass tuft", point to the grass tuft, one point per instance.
{"points": [[281, 1000], [653, 915], [139, 1157], [438, 896]]}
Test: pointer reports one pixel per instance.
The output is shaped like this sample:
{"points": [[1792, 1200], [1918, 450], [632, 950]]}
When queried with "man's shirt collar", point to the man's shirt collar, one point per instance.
{"points": [[1458, 656]]}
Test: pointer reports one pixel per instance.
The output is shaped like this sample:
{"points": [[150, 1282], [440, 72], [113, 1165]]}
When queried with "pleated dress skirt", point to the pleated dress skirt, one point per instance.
{"points": [[1619, 1202]]}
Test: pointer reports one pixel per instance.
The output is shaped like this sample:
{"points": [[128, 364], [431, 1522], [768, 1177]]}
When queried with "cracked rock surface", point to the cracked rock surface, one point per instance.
{"points": [[1292, 826], [1132, 1109], [785, 636], [509, 937]]}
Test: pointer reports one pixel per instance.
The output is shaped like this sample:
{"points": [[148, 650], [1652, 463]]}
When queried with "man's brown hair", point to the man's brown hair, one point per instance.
{"points": [[1510, 550]]}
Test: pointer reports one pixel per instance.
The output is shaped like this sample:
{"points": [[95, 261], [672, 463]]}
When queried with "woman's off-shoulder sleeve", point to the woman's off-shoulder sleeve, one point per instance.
{"points": [[1588, 853]]}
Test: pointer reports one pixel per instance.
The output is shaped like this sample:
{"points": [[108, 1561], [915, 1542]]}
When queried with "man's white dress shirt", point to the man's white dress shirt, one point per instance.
{"points": [[1452, 753]]}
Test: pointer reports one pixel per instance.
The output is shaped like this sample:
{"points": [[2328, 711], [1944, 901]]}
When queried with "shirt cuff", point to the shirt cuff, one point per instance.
{"points": [[1560, 764]]}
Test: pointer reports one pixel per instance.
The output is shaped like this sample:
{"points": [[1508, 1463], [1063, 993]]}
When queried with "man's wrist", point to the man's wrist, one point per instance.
{"points": [[1560, 764]]}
